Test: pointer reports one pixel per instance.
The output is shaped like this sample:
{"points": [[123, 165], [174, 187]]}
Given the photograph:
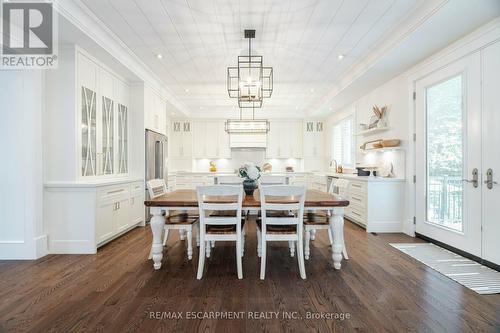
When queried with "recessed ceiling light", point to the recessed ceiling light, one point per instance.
{"points": [[311, 90], [159, 55], [330, 108], [340, 56], [186, 90], [296, 108], [201, 107]]}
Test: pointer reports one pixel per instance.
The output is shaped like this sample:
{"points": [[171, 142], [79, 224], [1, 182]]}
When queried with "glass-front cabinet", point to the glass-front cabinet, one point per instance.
{"points": [[103, 121]]}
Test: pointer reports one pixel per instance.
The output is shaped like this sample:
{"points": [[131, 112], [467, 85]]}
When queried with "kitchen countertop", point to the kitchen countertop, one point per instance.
{"points": [[226, 173], [363, 178], [92, 183]]}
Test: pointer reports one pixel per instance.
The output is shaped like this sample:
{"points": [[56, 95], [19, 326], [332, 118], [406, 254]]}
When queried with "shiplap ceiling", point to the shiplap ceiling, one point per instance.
{"points": [[300, 39]]}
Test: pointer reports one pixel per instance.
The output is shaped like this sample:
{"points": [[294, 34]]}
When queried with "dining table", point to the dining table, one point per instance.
{"points": [[186, 200]]}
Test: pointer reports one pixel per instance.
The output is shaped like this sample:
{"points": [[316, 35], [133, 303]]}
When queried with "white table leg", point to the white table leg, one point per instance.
{"points": [[157, 225], [337, 227]]}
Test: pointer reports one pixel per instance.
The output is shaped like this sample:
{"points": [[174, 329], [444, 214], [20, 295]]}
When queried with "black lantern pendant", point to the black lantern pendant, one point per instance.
{"points": [[250, 82]]}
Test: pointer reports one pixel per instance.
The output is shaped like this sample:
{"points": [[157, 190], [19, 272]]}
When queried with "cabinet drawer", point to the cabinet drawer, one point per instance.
{"points": [[136, 188], [358, 187], [357, 214], [114, 193], [357, 198]]}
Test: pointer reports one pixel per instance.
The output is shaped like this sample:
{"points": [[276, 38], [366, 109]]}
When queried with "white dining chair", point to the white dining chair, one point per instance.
{"points": [[227, 227], [181, 221], [266, 180], [282, 227], [320, 220]]}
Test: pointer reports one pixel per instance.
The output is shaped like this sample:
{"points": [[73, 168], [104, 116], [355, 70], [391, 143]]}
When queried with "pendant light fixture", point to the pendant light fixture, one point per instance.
{"points": [[250, 82]]}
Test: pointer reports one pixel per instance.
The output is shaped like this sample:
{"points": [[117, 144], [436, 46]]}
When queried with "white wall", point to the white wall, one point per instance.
{"points": [[22, 232]]}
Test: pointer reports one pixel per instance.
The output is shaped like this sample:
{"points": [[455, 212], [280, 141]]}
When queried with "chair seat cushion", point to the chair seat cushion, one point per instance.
{"points": [[278, 229], [223, 229], [181, 218], [316, 218]]}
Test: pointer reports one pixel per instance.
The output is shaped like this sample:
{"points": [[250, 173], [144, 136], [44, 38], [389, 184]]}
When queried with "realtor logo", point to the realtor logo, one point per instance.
{"points": [[28, 35]]}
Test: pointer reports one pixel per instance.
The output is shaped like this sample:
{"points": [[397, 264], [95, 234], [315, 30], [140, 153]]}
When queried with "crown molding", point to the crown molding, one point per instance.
{"points": [[85, 20]]}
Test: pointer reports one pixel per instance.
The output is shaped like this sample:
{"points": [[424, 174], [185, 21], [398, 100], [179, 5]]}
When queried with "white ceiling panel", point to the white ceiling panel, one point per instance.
{"points": [[300, 39]]}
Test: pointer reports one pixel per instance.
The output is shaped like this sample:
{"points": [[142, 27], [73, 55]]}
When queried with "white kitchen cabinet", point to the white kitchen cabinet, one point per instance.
{"points": [[314, 139], [284, 139], [103, 119], [375, 203], [83, 217], [181, 141], [210, 140], [155, 110], [189, 181]]}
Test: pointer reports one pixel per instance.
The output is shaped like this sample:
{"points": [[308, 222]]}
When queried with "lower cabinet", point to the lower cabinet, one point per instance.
{"points": [[376, 205], [82, 217]]}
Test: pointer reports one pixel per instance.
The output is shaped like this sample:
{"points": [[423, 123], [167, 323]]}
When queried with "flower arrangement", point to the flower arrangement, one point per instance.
{"points": [[249, 171]]}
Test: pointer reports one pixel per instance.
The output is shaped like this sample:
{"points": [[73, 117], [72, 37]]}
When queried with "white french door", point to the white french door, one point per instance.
{"points": [[491, 153], [448, 155]]}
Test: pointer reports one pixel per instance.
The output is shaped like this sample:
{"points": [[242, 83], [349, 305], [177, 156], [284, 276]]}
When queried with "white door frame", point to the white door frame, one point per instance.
{"points": [[469, 239]]}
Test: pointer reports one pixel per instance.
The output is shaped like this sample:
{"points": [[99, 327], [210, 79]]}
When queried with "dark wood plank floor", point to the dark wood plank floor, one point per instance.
{"points": [[378, 290]]}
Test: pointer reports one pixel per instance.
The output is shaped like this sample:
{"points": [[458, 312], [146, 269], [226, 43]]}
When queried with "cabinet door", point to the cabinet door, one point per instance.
{"points": [[296, 140], [136, 209], [199, 139], [211, 140], [175, 150], [122, 215], [223, 144], [273, 141], [187, 139], [122, 141], [88, 131], [104, 226]]}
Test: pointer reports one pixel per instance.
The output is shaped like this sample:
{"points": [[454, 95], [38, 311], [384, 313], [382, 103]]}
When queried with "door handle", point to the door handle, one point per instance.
{"points": [[475, 178], [489, 179]]}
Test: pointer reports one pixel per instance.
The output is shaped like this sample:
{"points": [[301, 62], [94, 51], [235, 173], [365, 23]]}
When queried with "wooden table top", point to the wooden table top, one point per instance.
{"points": [[187, 198]]}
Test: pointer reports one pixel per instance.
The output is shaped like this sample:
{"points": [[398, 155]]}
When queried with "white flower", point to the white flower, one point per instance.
{"points": [[252, 172]]}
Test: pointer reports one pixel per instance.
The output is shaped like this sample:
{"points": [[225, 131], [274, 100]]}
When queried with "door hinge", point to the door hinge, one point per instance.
{"points": [[414, 95], [414, 220], [414, 179]]}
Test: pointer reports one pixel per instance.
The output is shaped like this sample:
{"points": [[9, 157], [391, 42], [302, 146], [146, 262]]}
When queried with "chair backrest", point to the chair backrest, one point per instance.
{"points": [[283, 198], [220, 198], [229, 180], [156, 187], [266, 180]]}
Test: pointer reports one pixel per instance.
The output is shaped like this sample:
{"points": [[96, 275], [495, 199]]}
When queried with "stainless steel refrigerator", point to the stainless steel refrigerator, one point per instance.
{"points": [[156, 159]]}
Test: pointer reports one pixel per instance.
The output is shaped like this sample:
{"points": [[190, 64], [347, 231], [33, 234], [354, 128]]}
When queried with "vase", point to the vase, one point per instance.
{"points": [[249, 186]]}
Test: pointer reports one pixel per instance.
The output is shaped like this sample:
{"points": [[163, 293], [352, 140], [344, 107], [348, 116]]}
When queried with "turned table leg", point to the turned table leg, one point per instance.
{"points": [[337, 227], [157, 225]]}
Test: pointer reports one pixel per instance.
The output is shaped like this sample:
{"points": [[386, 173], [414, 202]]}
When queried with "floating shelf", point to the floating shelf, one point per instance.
{"points": [[381, 149], [374, 130]]}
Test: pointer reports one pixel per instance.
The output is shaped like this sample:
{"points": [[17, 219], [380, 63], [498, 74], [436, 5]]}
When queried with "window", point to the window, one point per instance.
{"points": [[343, 142]]}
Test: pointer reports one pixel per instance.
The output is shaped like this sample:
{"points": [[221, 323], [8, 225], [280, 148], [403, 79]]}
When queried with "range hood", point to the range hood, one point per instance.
{"points": [[248, 140]]}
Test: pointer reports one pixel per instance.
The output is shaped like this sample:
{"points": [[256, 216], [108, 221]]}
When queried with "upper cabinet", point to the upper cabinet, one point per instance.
{"points": [[314, 139], [284, 139], [103, 120], [181, 139], [155, 111], [210, 140]]}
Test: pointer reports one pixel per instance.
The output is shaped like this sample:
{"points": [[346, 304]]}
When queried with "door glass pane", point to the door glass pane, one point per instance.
{"points": [[107, 136], [122, 139], [89, 132], [445, 153]]}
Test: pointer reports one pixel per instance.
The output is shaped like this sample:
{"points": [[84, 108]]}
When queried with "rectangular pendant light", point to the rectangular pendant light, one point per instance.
{"points": [[247, 126]]}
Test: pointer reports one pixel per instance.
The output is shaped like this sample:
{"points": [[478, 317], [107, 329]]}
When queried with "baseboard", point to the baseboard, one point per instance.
{"points": [[41, 246], [72, 247], [384, 226], [459, 252], [409, 228]]}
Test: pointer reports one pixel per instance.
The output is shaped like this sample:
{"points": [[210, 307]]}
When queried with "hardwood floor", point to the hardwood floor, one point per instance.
{"points": [[378, 288]]}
